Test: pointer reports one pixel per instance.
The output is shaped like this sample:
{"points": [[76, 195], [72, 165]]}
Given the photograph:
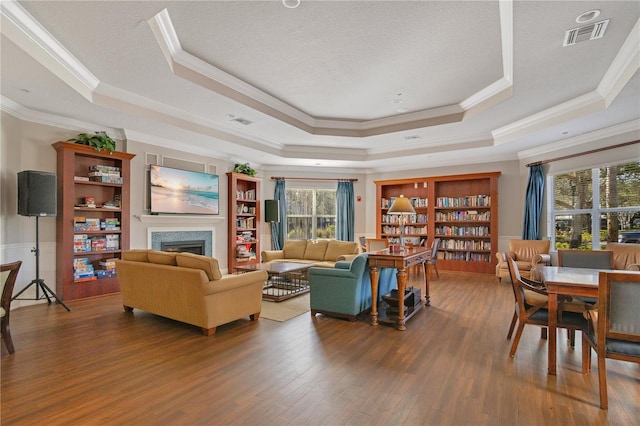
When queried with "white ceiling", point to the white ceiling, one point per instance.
{"points": [[367, 85]]}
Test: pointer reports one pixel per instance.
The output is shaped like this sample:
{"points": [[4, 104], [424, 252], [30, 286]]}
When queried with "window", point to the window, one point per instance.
{"points": [[595, 206], [311, 213]]}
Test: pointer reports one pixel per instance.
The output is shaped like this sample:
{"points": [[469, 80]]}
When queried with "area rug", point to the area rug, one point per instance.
{"points": [[285, 310]]}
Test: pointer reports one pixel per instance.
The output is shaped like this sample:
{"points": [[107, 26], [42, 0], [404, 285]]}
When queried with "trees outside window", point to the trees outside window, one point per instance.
{"points": [[592, 207], [311, 213]]}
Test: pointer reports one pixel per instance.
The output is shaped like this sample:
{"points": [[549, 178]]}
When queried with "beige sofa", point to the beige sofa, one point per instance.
{"points": [[625, 256], [526, 253], [320, 253], [188, 288]]}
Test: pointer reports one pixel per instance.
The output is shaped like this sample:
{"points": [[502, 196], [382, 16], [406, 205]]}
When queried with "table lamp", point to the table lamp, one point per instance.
{"points": [[401, 206]]}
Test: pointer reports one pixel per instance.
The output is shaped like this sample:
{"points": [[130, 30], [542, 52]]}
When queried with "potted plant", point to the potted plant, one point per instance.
{"points": [[99, 141], [245, 169]]}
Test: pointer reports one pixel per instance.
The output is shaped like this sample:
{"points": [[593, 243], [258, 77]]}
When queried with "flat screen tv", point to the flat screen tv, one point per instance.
{"points": [[176, 191]]}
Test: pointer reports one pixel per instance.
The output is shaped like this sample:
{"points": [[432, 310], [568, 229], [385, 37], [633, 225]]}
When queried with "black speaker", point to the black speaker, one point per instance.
{"points": [[271, 211], [36, 193]]}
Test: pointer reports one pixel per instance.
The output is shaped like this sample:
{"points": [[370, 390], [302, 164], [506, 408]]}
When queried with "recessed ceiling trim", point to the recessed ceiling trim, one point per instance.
{"points": [[605, 135], [624, 66], [206, 75], [577, 107], [21, 28]]}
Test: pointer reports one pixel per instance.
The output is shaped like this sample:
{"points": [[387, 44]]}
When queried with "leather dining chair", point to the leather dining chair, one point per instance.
{"points": [[614, 329], [433, 258], [531, 307], [593, 259], [9, 273], [375, 244]]}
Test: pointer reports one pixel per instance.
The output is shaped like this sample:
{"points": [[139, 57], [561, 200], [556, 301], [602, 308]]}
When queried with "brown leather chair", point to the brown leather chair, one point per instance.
{"points": [[625, 256], [526, 253], [375, 244], [531, 307], [9, 274], [433, 258], [595, 259], [614, 329]]}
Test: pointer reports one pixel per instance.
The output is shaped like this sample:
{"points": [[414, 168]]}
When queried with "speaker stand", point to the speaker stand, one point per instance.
{"points": [[47, 293]]}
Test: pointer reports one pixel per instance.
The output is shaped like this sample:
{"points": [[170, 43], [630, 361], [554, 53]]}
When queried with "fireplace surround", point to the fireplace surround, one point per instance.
{"points": [[156, 237]]}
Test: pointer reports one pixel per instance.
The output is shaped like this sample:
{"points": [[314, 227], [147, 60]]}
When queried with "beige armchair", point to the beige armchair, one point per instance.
{"points": [[526, 253], [625, 256]]}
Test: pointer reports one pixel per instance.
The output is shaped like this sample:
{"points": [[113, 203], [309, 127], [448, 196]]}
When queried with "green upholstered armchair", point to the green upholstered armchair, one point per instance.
{"points": [[345, 290]]}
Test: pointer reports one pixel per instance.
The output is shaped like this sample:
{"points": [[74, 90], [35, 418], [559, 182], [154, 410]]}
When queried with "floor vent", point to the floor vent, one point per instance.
{"points": [[586, 33]]}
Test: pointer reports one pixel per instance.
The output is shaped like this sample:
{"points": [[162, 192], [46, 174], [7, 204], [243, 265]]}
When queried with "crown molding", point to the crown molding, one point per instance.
{"points": [[21, 28], [577, 107], [623, 67], [199, 72], [595, 136], [26, 114]]}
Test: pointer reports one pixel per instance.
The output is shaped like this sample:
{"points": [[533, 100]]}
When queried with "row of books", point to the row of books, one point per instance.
{"points": [[409, 218], [464, 231], [246, 223], [415, 202], [469, 201], [407, 230], [246, 195], [466, 256], [82, 243], [465, 244], [81, 223], [470, 215]]}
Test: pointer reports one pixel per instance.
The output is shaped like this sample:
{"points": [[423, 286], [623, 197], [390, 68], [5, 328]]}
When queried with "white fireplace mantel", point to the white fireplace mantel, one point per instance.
{"points": [[152, 218]]}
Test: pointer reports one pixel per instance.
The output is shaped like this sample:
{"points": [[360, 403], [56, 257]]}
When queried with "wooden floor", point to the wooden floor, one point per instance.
{"points": [[100, 366]]}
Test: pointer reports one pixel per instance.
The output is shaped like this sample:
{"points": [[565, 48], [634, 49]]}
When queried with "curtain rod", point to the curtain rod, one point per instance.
{"points": [[297, 178], [539, 163]]}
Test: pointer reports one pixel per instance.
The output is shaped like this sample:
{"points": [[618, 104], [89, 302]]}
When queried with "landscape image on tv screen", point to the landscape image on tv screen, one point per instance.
{"points": [[183, 191]]}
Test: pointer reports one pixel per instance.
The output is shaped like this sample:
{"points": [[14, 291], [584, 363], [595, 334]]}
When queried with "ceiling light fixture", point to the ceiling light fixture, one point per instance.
{"points": [[588, 16], [291, 4]]}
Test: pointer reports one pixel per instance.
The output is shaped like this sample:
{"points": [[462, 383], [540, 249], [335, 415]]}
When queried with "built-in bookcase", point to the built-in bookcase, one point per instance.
{"points": [[92, 223], [460, 210], [244, 220]]}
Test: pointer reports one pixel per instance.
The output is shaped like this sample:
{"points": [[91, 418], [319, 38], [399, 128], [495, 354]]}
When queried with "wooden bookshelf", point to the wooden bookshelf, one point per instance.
{"points": [[244, 220], [73, 164], [461, 210]]}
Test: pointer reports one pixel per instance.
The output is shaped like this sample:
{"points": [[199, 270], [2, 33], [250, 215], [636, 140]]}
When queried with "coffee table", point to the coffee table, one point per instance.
{"points": [[286, 279]]}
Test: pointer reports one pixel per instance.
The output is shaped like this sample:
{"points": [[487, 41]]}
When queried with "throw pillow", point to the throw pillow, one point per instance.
{"points": [[137, 255], [162, 257], [315, 250], [195, 261], [338, 248]]}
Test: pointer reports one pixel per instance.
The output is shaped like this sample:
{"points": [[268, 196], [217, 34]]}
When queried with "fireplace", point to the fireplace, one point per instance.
{"points": [[181, 239], [193, 246]]}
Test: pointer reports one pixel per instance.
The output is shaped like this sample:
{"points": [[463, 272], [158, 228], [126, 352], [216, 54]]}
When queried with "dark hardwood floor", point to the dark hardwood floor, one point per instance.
{"points": [[99, 365]]}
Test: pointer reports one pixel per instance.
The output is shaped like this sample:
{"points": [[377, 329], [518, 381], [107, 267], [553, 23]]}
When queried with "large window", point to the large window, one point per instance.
{"points": [[595, 206], [311, 213]]}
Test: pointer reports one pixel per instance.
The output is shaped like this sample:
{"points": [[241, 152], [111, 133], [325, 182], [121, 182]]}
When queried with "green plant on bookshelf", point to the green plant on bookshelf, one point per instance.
{"points": [[245, 169], [98, 141]]}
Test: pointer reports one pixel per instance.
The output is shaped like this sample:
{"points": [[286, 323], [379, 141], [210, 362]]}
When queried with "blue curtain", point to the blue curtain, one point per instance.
{"points": [[345, 211], [279, 229], [533, 203]]}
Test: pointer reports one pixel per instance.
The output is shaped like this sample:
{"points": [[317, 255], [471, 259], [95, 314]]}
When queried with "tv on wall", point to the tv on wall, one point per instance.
{"points": [[182, 191]]}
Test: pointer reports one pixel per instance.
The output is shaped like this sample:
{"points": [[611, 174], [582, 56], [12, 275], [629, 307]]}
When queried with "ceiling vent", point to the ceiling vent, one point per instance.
{"points": [[242, 121], [586, 33]]}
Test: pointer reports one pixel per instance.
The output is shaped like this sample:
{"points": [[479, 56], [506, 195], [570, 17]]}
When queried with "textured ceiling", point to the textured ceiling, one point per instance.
{"points": [[362, 84]]}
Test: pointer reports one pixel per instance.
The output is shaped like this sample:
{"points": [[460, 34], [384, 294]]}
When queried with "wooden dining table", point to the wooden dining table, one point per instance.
{"points": [[567, 282]]}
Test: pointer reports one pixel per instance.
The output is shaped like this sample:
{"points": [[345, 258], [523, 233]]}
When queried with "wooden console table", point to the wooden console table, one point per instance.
{"points": [[401, 260]]}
